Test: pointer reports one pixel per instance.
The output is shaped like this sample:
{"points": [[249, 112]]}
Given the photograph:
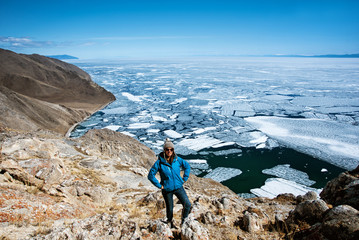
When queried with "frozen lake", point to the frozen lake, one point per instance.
{"points": [[243, 120]]}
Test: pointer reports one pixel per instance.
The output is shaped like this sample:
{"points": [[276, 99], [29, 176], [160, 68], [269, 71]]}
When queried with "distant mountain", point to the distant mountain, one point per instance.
{"points": [[339, 56], [62, 57], [355, 55], [319, 56]]}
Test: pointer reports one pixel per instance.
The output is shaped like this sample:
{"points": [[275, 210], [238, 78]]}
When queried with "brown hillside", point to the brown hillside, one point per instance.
{"points": [[41, 92]]}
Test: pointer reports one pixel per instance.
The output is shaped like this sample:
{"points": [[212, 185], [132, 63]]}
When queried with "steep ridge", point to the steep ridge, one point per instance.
{"points": [[41, 92]]}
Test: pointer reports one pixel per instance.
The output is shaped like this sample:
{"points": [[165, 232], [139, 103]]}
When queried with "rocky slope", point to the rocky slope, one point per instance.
{"points": [[38, 92], [96, 187]]}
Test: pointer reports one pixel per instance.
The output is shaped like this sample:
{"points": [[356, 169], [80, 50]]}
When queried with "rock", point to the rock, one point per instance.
{"points": [[308, 211], [192, 230], [208, 218], [339, 223], [309, 196], [107, 143], [251, 222], [16, 172], [79, 188], [342, 190], [342, 219], [140, 171], [354, 171], [161, 230], [101, 226], [226, 203], [286, 197]]}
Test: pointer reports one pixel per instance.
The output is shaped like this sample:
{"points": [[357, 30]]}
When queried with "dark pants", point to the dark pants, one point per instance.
{"points": [[182, 196]]}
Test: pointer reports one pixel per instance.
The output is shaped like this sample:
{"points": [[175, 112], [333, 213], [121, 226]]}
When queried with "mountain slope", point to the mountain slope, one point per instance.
{"points": [[41, 92]]}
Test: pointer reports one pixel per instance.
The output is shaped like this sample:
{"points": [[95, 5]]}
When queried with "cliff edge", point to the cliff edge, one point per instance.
{"points": [[38, 92]]}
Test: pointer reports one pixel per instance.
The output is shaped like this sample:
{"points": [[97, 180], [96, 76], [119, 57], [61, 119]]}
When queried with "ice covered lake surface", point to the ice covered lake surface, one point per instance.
{"points": [[258, 125]]}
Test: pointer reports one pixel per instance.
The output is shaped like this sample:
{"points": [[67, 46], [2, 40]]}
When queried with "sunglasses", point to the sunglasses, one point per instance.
{"points": [[169, 149]]}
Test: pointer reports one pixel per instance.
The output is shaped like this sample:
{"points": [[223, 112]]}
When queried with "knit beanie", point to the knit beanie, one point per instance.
{"points": [[168, 144]]}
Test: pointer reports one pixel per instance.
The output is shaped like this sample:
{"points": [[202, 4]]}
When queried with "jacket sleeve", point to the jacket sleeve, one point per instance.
{"points": [[152, 174], [187, 169]]}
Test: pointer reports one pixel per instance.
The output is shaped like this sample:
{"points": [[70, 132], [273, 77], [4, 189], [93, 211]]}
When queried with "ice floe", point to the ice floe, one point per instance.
{"points": [[158, 118], [113, 127], [198, 166], [275, 186], [324, 139], [251, 139], [236, 108], [286, 172], [128, 134], [228, 151], [202, 130], [151, 130], [139, 125], [325, 101], [221, 174], [132, 97], [199, 143], [173, 134], [118, 110], [180, 100], [225, 144]]}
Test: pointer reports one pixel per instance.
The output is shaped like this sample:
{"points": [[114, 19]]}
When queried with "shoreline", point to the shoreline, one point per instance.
{"points": [[67, 134]]}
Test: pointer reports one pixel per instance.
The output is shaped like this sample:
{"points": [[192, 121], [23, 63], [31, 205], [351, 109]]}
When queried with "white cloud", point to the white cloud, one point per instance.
{"points": [[26, 42], [23, 42]]}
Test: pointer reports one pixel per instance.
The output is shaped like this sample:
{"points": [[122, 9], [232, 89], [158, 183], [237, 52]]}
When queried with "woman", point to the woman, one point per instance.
{"points": [[169, 165]]}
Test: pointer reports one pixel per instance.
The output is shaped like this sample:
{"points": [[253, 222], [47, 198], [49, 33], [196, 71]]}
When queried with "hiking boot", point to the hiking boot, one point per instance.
{"points": [[172, 225]]}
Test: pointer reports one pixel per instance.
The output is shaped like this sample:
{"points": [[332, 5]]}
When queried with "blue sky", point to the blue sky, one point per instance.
{"points": [[110, 29]]}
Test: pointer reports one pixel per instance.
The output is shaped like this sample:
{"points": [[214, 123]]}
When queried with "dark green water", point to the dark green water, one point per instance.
{"points": [[252, 161]]}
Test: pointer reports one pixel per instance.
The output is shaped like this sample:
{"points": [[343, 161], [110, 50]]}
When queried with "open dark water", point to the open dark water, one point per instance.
{"points": [[252, 161]]}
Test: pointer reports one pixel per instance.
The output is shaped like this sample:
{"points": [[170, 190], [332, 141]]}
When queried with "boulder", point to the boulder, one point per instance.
{"points": [[192, 230], [251, 222], [309, 196], [161, 230], [308, 211], [343, 190], [16, 172], [339, 223]]}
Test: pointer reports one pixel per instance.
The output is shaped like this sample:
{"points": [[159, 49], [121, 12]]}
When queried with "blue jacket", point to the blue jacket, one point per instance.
{"points": [[169, 173]]}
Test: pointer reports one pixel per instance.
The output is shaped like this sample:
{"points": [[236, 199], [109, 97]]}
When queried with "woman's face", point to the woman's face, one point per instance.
{"points": [[169, 152]]}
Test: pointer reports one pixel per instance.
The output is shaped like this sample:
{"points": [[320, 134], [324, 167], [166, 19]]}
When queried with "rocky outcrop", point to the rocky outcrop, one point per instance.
{"points": [[343, 190], [109, 144], [96, 187], [317, 219], [339, 223], [38, 92]]}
